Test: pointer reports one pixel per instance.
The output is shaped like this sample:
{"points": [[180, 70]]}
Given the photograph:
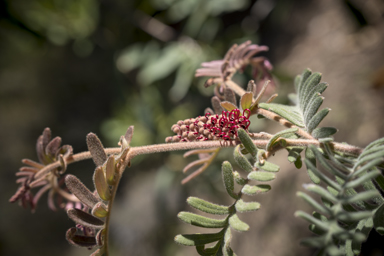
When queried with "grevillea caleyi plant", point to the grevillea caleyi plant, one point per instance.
{"points": [[347, 179]]}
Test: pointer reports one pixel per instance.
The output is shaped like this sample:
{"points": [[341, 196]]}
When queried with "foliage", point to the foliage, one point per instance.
{"points": [[348, 179]]}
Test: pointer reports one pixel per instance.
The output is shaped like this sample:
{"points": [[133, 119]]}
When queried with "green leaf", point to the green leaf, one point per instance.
{"points": [[241, 160], [294, 153], [316, 119], [228, 179], [207, 207], [290, 113], [237, 224], [247, 141], [321, 176], [361, 180], [198, 239], [322, 132], [256, 189], [321, 192], [275, 137], [318, 223], [318, 207], [361, 196], [310, 156], [261, 176], [239, 180], [242, 206], [378, 220], [354, 216], [200, 221], [267, 166]]}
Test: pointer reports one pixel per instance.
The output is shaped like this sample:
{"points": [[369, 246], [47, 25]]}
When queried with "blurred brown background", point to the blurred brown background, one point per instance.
{"points": [[100, 66]]}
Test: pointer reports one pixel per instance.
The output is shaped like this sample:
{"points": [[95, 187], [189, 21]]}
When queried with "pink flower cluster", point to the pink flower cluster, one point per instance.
{"points": [[211, 127]]}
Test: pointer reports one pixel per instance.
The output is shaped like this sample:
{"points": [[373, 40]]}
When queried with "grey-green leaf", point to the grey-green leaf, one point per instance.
{"points": [[316, 119], [323, 132], [241, 160], [228, 179], [201, 221], [378, 220], [198, 239], [310, 156], [242, 206], [290, 113], [261, 176], [256, 189], [247, 141], [267, 166], [275, 137], [207, 207], [238, 224]]}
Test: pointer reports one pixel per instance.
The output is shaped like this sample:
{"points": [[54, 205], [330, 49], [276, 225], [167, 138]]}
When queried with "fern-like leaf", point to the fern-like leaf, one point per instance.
{"points": [[346, 214]]}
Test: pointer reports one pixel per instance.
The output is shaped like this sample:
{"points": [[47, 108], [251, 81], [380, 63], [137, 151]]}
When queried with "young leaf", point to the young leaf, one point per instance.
{"points": [[201, 221], [207, 207], [85, 219], [129, 134], [110, 170], [230, 96], [228, 179], [96, 148], [246, 100], [237, 224], [239, 180], [216, 105], [78, 240], [228, 105], [101, 185], [80, 191], [99, 210]]}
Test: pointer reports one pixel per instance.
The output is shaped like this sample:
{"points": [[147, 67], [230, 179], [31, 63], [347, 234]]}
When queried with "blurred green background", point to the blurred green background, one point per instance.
{"points": [[99, 66]]}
